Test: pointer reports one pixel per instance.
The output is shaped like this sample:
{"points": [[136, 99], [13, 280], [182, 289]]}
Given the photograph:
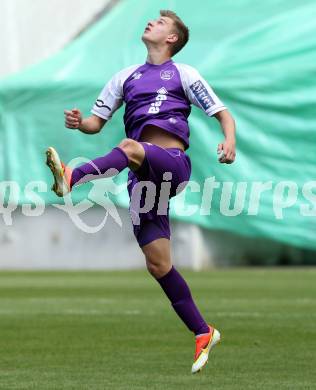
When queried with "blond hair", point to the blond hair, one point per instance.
{"points": [[180, 29]]}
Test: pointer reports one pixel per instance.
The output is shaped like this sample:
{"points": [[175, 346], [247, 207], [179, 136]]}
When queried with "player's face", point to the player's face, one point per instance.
{"points": [[158, 31]]}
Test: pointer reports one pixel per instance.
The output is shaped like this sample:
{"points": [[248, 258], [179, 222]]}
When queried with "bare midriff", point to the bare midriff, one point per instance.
{"points": [[158, 136]]}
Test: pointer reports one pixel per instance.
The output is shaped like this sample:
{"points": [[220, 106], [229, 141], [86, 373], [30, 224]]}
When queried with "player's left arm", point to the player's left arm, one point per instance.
{"points": [[200, 93], [227, 149]]}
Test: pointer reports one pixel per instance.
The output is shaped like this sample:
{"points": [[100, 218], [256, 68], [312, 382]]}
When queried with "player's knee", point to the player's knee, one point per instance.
{"points": [[125, 143], [152, 268], [129, 146], [156, 269], [133, 149]]}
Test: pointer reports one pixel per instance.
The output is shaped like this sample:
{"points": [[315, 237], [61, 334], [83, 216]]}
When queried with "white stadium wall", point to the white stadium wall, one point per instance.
{"points": [[53, 241], [32, 30]]}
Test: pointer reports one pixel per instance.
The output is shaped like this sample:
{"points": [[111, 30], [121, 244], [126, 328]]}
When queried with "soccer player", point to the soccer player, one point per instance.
{"points": [[158, 97]]}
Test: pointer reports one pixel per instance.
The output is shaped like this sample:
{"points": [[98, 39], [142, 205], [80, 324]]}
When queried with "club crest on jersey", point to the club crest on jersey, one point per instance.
{"points": [[161, 96], [166, 74], [137, 76]]}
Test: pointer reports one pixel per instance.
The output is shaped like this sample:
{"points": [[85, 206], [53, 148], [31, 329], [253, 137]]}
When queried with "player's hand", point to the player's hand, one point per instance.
{"points": [[73, 118], [226, 152]]}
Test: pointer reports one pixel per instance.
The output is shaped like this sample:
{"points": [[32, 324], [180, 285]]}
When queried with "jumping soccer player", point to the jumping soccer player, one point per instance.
{"points": [[158, 97]]}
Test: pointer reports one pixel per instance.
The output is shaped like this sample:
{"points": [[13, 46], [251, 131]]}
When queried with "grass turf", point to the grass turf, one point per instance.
{"points": [[116, 330]]}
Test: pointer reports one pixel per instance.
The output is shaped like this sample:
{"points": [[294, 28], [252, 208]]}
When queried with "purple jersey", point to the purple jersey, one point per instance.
{"points": [[159, 95]]}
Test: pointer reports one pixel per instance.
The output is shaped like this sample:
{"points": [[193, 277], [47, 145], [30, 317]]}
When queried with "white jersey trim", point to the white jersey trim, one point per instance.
{"points": [[198, 91], [110, 98]]}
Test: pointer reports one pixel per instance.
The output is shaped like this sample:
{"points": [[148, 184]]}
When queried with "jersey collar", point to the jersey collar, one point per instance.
{"points": [[168, 62]]}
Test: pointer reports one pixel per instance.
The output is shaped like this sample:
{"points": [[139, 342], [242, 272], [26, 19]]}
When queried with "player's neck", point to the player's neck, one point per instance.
{"points": [[157, 57]]}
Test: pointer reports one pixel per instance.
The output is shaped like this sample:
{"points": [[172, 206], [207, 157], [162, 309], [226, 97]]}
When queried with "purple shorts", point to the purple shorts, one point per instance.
{"points": [[151, 188]]}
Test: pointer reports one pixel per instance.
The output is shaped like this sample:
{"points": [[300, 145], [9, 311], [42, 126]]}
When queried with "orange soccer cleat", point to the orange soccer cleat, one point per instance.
{"points": [[204, 344], [62, 173]]}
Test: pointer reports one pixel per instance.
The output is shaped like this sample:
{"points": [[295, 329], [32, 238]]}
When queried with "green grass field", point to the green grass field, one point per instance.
{"points": [[116, 330]]}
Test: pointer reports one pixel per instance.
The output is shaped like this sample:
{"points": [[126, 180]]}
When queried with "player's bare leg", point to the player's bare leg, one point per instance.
{"points": [[158, 261], [158, 258]]}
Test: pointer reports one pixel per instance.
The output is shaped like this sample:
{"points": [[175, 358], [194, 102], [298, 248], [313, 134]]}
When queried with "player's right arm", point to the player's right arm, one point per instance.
{"points": [[90, 125], [109, 100]]}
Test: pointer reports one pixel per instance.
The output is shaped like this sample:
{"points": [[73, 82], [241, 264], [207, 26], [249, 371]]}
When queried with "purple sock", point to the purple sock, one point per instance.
{"points": [[181, 299], [115, 161]]}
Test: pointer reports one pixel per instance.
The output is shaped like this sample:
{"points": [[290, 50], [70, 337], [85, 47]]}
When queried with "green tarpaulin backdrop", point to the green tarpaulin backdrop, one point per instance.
{"points": [[260, 59]]}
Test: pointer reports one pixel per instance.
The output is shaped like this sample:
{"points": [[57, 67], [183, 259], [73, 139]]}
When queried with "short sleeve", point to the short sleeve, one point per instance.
{"points": [[198, 91], [110, 98]]}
